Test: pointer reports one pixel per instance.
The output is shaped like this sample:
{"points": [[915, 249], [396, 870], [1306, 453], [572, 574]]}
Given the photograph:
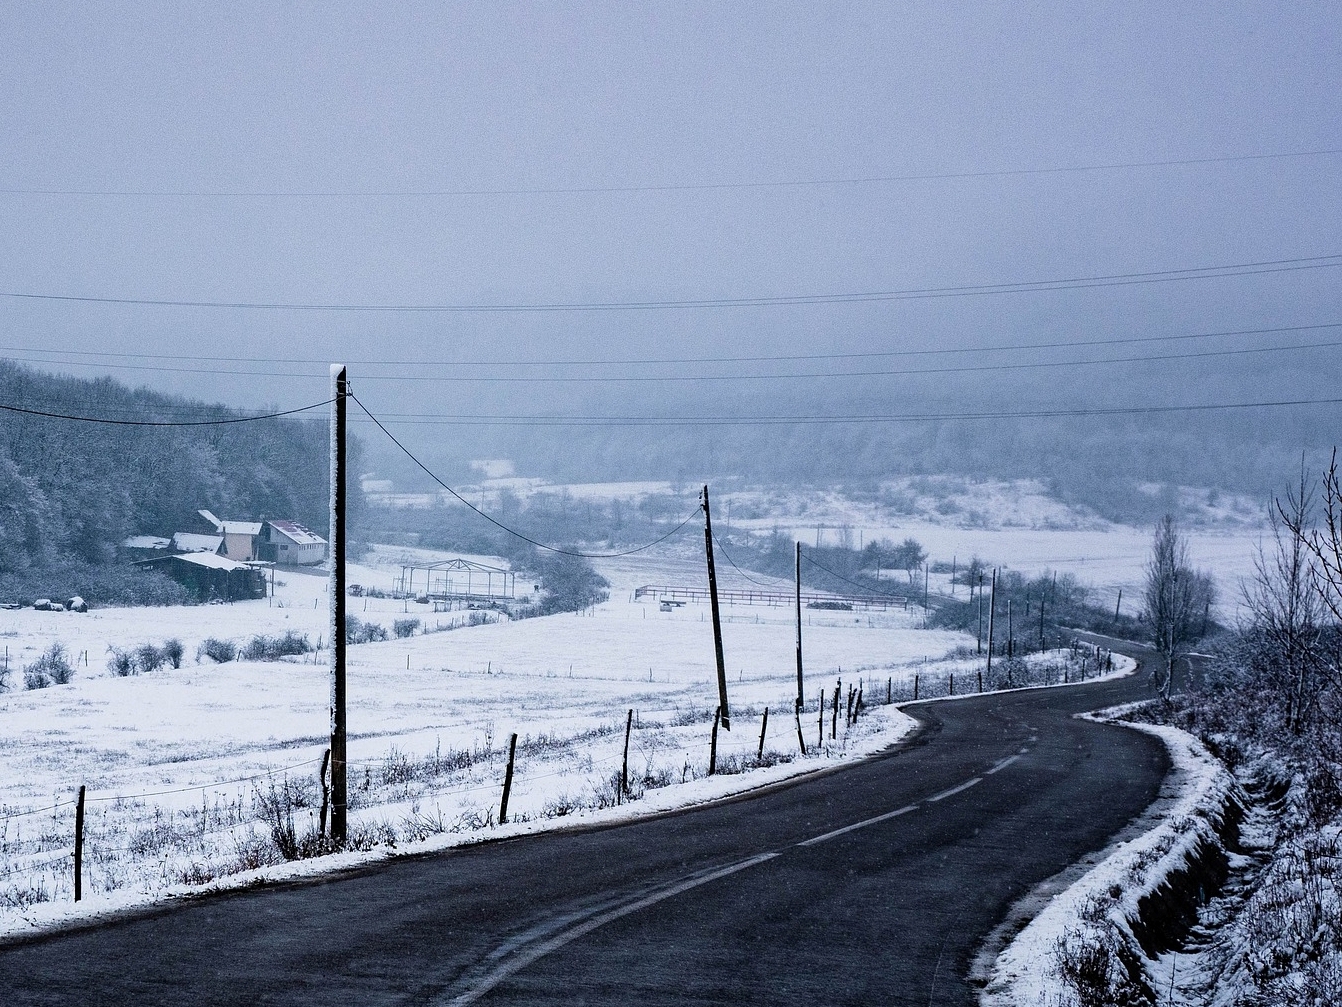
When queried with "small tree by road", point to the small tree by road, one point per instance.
{"points": [[1177, 599]]}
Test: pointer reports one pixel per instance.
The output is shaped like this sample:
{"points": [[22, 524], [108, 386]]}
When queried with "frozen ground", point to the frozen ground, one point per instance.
{"points": [[193, 772], [183, 766]]}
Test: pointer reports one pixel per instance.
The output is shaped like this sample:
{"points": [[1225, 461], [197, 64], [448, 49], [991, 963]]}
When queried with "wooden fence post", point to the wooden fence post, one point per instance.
{"points": [[821, 736], [624, 768], [952, 683], [508, 780], [915, 685], [79, 845], [834, 715], [713, 743], [764, 725], [889, 689], [801, 742], [980, 680]]}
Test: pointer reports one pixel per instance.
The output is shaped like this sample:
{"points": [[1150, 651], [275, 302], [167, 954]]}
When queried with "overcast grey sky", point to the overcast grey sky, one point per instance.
{"points": [[261, 114]]}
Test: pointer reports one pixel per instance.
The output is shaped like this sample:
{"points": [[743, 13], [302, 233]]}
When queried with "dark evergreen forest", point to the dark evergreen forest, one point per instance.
{"points": [[71, 491]]}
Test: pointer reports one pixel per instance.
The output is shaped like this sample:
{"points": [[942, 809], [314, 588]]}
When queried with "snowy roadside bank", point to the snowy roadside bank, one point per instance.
{"points": [[1105, 930]]}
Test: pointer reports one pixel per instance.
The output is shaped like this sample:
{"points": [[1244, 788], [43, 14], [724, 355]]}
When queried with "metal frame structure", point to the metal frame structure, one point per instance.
{"points": [[438, 582]]}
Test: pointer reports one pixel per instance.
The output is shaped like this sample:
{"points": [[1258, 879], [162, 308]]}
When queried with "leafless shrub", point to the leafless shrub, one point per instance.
{"points": [[217, 650], [52, 668]]}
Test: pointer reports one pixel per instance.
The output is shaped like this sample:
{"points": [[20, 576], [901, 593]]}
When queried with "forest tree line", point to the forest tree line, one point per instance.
{"points": [[71, 492]]}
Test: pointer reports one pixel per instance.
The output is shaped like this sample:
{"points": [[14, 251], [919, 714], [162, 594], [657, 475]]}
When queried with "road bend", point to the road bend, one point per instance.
{"points": [[874, 883]]}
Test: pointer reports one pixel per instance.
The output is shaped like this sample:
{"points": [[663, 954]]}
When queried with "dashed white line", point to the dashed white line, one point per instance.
{"points": [[859, 825], [1002, 764], [527, 956], [954, 790]]}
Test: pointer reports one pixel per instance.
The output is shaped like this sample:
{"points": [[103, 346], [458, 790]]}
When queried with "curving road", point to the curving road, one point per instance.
{"points": [[872, 884]]}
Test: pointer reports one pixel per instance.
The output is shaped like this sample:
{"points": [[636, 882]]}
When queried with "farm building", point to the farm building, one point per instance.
{"points": [[240, 537], [210, 576], [288, 543]]}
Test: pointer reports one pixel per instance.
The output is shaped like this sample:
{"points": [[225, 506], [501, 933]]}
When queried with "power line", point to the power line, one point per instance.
{"points": [[512, 531], [161, 423], [787, 300], [667, 187], [781, 420], [723, 549], [664, 378], [864, 587], [648, 361]]}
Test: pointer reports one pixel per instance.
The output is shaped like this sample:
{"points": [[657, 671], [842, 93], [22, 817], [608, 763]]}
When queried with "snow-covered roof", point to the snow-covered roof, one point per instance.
{"points": [[240, 527], [146, 542], [205, 559], [186, 541], [210, 519], [296, 533]]}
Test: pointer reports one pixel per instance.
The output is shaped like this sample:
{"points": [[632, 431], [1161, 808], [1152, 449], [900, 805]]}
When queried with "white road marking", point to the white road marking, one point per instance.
{"points": [[858, 825], [525, 957], [1002, 764], [954, 790], [524, 949]]}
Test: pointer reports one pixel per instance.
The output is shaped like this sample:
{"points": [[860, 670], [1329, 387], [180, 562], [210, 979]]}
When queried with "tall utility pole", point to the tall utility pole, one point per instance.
{"points": [[339, 793], [717, 621], [800, 693], [992, 608], [979, 637]]}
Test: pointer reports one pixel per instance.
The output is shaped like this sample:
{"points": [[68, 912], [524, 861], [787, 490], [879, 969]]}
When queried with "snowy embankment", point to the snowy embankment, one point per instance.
{"points": [[1104, 934]]}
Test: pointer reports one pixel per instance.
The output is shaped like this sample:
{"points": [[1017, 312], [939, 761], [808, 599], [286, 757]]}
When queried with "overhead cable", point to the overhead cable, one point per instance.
{"points": [[664, 187], [786, 300], [836, 418], [649, 361], [160, 423], [513, 531]]}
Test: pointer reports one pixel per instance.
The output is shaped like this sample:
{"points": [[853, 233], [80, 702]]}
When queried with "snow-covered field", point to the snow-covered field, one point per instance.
{"points": [[199, 773], [179, 763]]}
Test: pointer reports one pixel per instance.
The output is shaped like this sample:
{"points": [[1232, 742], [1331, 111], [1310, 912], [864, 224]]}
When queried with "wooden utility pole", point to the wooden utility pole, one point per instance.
{"points": [[1118, 604], [724, 716], [798, 583], [1041, 620], [339, 792], [979, 638], [992, 607]]}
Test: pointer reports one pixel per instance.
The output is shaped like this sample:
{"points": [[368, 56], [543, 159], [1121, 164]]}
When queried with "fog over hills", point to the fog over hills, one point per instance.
{"points": [[593, 159]]}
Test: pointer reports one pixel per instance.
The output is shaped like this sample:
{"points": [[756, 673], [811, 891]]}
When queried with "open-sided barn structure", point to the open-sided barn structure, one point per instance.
{"points": [[456, 579]]}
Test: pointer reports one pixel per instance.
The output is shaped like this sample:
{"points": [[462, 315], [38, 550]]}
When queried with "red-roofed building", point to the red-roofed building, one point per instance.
{"points": [[289, 543]]}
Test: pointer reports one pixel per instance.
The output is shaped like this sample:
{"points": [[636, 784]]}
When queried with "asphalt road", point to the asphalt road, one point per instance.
{"points": [[874, 884]]}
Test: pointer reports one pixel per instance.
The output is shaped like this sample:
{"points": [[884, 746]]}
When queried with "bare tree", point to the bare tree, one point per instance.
{"points": [[1177, 598], [1325, 543], [1283, 603]]}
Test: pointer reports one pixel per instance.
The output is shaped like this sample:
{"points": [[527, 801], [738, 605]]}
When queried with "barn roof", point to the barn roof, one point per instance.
{"points": [[296, 533], [146, 542], [240, 527], [191, 542], [205, 559]]}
